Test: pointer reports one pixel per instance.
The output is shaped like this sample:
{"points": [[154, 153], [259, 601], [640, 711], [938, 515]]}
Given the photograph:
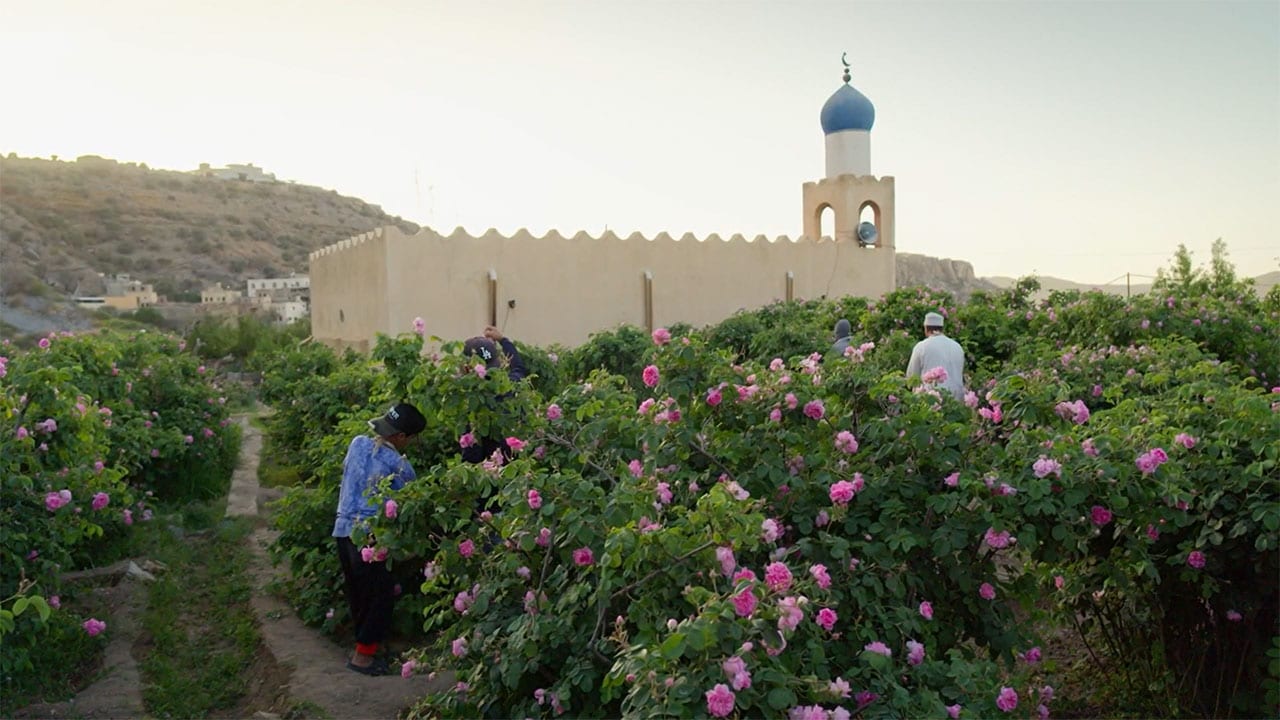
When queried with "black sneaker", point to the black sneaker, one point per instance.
{"points": [[377, 667]]}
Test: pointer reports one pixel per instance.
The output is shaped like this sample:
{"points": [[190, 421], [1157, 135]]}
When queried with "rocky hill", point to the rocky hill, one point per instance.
{"points": [[62, 224], [954, 276]]}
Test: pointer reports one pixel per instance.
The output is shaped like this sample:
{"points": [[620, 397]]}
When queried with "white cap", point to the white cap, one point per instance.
{"points": [[932, 319]]}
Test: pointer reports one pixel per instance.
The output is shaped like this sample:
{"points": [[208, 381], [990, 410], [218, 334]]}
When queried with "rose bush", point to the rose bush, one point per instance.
{"points": [[739, 531], [93, 430]]}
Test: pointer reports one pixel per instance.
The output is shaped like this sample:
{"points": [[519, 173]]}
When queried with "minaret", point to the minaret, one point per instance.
{"points": [[847, 118], [862, 204]]}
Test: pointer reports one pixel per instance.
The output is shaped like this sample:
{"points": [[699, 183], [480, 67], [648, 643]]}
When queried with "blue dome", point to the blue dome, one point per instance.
{"points": [[847, 109]]}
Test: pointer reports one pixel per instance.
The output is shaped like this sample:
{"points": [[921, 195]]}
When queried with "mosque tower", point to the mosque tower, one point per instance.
{"points": [[862, 205]]}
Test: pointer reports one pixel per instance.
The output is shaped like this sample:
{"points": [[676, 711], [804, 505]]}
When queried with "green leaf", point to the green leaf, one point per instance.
{"points": [[20, 605], [781, 698], [672, 647]]}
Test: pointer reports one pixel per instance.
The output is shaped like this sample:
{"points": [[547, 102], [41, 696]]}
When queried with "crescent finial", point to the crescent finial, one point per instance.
{"points": [[845, 61]]}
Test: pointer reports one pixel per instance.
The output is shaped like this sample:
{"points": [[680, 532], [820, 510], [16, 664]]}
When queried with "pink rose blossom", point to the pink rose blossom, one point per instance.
{"points": [[419, 326], [1044, 467], [770, 530], [100, 500], [728, 563], [650, 376], [583, 557], [826, 618], [1007, 700], [951, 480], [55, 602], [915, 652], [998, 540], [926, 610], [1234, 616], [953, 711], [516, 444], [407, 668], [1100, 515], [820, 575], [714, 397], [1185, 440], [987, 591], [128, 517], [94, 626], [815, 410], [1195, 559], [188, 439], [55, 500], [744, 602], [791, 401], [846, 442], [466, 548], [934, 376], [391, 508], [777, 576], [733, 665], [1089, 448], [553, 412], [467, 440], [459, 648], [1033, 655], [790, 614], [534, 500], [878, 648], [480, 370], [720, 700], [661, 336], [544, 537], [664, 493], [841, 492]]}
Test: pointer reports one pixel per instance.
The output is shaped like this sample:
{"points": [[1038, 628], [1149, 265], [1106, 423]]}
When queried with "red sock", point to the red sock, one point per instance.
{"points": [[367, 648]]}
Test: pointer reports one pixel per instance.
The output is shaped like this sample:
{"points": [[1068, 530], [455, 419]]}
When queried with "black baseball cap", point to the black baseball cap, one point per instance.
{"points": [[401, 418], [483, 348]]}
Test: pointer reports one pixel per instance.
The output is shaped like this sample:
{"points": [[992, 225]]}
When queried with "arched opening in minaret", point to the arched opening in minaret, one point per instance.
{"points": [[869, 214], [826, 222]]}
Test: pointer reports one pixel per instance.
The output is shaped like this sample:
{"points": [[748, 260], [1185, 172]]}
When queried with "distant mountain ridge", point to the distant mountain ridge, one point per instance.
{"points": [[1262, 284]]}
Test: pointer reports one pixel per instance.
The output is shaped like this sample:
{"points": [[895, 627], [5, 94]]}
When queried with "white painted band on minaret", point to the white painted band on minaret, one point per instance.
{"points": [[848, 153]]}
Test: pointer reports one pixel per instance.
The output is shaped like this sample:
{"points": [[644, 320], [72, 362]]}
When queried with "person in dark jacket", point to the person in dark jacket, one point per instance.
{"points": [[844, 337], [496, 351]]}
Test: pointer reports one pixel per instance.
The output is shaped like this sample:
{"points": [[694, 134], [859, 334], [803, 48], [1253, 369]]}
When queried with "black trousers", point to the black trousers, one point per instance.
{"points": [[370, 595]]}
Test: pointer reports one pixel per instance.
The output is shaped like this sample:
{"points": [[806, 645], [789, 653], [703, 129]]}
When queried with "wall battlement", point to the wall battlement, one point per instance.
{"points": [[855, 180], [351, 242], [522, 235]]}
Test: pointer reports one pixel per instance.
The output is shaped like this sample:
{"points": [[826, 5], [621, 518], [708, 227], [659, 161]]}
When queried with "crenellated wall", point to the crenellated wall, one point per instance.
{"points": [[565, 288]]}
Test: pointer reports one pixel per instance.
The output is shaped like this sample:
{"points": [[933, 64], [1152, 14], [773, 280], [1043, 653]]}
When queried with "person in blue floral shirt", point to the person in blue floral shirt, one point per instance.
{"points": [[368, 584]]}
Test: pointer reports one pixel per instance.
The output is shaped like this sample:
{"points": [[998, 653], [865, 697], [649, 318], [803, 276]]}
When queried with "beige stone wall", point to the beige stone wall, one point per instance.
{"points": [[566, 288], [353, 305]]}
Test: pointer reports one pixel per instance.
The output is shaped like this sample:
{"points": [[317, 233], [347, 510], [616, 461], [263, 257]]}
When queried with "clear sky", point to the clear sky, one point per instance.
{"points": [[1076, 139]]}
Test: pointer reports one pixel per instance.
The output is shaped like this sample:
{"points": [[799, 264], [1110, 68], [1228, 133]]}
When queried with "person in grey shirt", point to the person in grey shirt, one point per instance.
{"points": [[843, 338], [937, 359]]}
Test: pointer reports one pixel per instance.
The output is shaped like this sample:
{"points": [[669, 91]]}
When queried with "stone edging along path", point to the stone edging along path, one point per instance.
{"points": [[318, 681]]}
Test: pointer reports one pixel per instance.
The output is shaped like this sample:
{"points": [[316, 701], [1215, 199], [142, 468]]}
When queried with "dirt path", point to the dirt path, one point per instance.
{"points": [[298, 672]]}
